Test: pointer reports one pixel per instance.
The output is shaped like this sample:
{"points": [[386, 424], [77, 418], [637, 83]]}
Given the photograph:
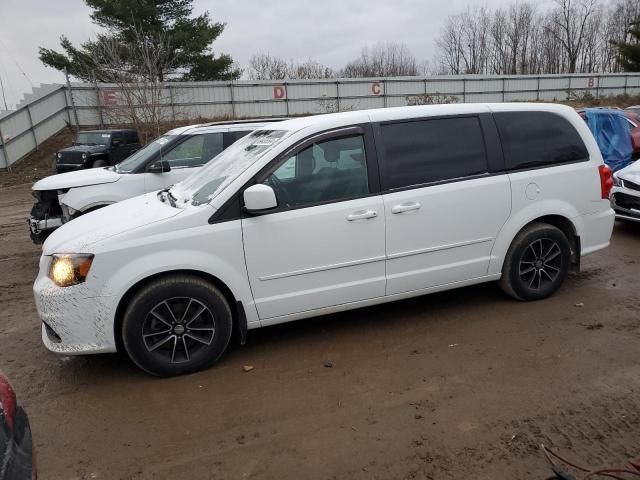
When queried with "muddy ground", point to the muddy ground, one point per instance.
{"points": [[463, 384]]}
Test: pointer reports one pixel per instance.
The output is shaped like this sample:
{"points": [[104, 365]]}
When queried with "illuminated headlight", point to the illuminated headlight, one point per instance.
{"points": [[70, 269], [84, 156]]}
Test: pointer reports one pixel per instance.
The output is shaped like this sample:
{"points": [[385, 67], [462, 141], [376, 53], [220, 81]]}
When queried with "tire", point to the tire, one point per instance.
{"points": [[99, 164], [176, 325], [537, 263]]}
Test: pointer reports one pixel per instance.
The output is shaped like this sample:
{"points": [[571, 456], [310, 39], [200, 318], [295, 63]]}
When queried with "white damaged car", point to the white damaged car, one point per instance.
{"points": [[625, 196], [164, 162]]}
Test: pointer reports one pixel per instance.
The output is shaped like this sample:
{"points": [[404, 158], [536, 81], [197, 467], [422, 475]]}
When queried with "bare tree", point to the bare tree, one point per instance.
{"points": [[382, 60], [571, 20], [137, 96], [264, 66]]}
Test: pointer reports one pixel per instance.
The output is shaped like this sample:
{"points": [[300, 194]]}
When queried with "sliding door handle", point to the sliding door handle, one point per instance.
{"points": [[405, 207]]}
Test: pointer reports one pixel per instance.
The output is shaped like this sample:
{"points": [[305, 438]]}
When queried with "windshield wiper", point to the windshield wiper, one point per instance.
{"points": [[171, 198]]}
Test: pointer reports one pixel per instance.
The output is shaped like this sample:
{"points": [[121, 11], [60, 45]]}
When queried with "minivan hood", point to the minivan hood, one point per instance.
{"points": [[80, 234], [80, 178]]}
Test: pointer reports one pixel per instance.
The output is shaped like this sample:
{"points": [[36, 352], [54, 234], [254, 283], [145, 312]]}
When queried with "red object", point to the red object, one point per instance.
{"points": [[606, 180], [8, 403], [635, 131]]}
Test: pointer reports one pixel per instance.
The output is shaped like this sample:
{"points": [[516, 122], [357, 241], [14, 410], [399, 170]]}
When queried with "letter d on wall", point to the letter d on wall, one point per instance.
{"points": [[280, 92]]}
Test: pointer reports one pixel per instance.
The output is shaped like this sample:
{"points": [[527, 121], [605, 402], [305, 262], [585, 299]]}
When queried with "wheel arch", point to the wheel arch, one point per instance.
{"points": [[237, 312], [563, 219]]}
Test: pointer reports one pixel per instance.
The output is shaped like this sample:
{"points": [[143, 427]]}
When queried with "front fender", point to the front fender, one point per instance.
{"points": [[91, 196], [217, 252], [525, 216]]}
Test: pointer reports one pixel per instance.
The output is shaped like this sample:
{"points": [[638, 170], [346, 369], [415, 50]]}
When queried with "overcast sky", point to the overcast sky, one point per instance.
{"points": [[329, 31]]}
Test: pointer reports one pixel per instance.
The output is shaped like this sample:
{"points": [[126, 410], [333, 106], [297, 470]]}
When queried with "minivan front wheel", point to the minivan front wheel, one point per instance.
{"points": [[537, 263], [177, 325]]}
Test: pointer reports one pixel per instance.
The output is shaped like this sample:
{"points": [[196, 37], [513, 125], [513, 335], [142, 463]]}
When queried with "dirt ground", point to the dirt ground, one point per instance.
{"points": [[463, 384]]}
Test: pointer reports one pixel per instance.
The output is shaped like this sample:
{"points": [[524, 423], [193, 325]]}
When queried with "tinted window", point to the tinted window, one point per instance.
{"points": [[132, 137], [531, 139], [427, 151], [333, 170]]}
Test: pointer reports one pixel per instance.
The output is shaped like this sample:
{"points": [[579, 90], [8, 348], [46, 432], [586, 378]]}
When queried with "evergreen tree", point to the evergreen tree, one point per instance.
{"points": [[629, 51], [162, 23]]}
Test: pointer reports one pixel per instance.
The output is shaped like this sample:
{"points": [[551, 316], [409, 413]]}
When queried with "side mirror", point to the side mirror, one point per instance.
{"points": [[161, 166], [259, 199]]}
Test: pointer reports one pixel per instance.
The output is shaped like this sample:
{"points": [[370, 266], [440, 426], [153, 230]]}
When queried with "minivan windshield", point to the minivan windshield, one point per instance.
{"points": [[143, 155], [216, 176]]}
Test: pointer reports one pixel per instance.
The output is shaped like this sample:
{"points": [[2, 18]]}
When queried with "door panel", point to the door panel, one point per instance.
{"points": [[326, 246], [443, 233], [316, 257]]}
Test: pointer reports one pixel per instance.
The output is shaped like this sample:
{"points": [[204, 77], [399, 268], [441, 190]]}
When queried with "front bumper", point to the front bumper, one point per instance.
{"points": [[626, 203], [75, 320], [39, 227], [69, 167]]}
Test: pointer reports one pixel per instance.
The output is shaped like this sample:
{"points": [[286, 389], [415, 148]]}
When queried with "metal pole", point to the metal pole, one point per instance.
{"points": [[384, 93], [337, 95], [73, 103], [598, 88], [95, 84], [538, 90], [33, 130], [464, 90], [569, 90], [233, 100], [286, 97], [5, 152], [504, 86], [626, 82], [172, 104]]}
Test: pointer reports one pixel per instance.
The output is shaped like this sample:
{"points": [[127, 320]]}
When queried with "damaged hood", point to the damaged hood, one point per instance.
{"points": [[630, 173], [81, 178], [79, 235]]}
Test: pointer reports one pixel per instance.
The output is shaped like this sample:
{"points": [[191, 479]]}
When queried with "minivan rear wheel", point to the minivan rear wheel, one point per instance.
{"points": [[537, 263], [177, 325]]}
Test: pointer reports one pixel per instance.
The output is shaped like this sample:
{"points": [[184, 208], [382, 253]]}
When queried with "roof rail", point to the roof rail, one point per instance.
{"points": [[248, 120]]}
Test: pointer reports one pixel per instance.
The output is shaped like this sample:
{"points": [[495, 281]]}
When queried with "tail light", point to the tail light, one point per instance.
{"points": [[7, 401], [606, 181]]}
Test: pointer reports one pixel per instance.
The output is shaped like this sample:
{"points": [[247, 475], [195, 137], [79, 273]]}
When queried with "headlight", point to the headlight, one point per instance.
{"points": [[71, 269], [59, 156], [84, 156], [617, 181]]}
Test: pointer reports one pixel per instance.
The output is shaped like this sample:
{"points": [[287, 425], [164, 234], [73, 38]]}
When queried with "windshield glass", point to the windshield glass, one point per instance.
{"points": [[142, 155], [93, 138], [216, 176]]}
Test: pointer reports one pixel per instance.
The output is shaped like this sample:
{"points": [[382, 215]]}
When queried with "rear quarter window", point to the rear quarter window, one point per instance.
{"points": [[538, 139]]}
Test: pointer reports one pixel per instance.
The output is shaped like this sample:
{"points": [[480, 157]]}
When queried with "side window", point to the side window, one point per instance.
{"points": [[212, 147], [186, 154], [427, 151], [117, 137], [329, 171], [132, 137], [531, 139]]}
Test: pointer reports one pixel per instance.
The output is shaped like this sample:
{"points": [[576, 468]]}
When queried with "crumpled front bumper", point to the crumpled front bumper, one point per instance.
{"points": [[75, 321], [626, 203]]}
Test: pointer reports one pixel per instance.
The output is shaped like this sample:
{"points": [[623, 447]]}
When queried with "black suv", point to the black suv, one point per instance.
{"points": [[97, 148]]}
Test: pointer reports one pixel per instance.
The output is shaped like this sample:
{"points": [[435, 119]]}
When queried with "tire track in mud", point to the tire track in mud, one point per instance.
{"points": [[600, 430]]}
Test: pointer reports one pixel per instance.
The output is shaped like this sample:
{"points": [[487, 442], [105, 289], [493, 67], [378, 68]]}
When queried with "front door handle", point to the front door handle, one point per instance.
{"points": [[362, 215], [405, 207]]}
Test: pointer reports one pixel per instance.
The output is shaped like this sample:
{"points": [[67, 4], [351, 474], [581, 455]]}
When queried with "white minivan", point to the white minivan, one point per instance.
{"points": [[329, 213]]}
